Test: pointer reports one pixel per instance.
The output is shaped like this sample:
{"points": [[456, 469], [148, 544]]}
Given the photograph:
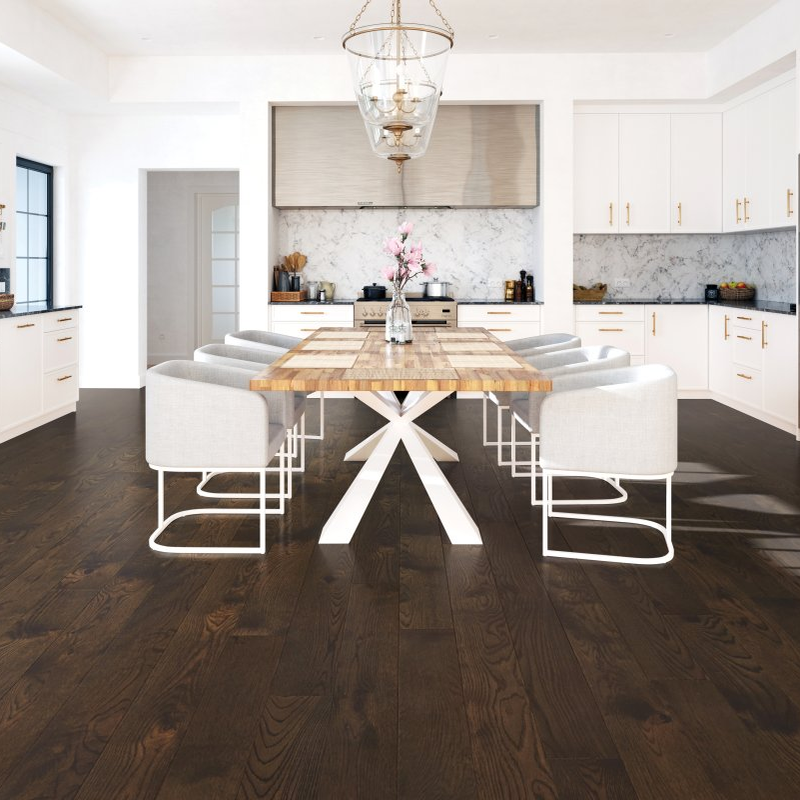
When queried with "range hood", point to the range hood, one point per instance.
{"points": [[478, 157]]}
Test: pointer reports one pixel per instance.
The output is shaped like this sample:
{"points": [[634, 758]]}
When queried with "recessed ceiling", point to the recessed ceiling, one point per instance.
{"points": [[259, 27]]}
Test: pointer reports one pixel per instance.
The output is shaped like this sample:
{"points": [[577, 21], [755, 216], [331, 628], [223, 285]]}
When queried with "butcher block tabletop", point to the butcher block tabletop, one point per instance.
{"points": [[438, 360]]}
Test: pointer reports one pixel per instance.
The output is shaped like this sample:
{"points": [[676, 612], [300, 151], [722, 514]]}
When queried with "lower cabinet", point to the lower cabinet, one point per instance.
{"points": [[300, 319], [678, 337], [506, 321], [38, 370]]}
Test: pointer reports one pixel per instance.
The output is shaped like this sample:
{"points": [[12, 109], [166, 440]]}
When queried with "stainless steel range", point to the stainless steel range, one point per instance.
{"points": [[440, 311]]}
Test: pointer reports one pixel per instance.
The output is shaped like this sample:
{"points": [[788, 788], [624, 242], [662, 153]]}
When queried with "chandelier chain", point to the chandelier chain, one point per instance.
{"points": [[442, 18], [359, 15]]}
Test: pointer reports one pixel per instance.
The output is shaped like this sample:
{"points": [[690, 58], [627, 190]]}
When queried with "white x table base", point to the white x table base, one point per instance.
{"points": [[376, 453]]}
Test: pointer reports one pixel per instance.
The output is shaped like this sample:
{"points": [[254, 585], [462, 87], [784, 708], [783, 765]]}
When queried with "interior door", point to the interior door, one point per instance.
{"points": [[218, 266]]}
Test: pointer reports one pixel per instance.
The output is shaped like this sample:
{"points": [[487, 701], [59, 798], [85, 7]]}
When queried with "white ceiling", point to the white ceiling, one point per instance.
{"points": [[258, 27]]}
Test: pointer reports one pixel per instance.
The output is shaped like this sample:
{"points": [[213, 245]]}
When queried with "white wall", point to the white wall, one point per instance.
{"points": [[172, 288]]}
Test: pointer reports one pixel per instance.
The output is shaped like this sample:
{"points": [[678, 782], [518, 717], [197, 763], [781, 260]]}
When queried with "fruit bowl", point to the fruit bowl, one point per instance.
{"points": [[6, 301], [731, 293]]}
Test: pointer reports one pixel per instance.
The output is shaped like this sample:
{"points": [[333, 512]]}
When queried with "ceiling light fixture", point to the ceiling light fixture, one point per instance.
{"points": [[398, 70]]}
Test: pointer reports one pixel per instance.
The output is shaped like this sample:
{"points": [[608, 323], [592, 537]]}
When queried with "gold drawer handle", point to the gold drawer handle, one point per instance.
{"points": [[610, 312], [742, 375], [746, 338], [738, 214], [64, 319], [746, 204], [610, 213], [764, 342], [27, 325], [726, 328], [611, 330], [680, 214], [64, 339], [654, 323], [311, 330], [789, 196], [628, 212], [317, 313], [749, 319], [507, 313], [500, 330], [65, 378]]}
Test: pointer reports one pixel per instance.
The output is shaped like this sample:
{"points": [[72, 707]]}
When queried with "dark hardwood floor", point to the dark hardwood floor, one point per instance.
{"points": [[397, 666]]}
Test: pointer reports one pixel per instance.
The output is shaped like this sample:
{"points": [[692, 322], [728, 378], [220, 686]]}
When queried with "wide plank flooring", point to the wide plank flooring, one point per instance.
{"points": [[397, 666]]}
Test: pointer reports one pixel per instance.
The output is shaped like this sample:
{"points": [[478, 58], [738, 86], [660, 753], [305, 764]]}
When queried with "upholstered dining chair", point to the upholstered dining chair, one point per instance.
{"points": [[290, 405], [619, 424], [553, 364], [280, 344], [526, 346], [204, 418]]}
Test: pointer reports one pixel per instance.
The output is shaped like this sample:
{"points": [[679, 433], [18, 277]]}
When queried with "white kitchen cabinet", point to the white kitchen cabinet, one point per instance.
{"points": [[720, 350], [302, 319], [678, 337], [759, 164], [780, 366], [696, 173], [505, 321], [20, 369], [596, 173], [783, 156], [644, 173], [617, 325]]}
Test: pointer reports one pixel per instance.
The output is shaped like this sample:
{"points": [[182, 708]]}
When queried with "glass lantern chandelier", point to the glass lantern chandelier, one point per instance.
{"points": [[398, 69]]}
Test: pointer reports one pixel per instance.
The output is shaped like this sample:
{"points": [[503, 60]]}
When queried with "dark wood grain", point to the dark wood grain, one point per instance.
{"points": [[592, 779]]}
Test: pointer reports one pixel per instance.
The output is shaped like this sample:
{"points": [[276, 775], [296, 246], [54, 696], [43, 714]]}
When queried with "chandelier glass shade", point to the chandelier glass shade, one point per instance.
{"points": [[398, 71]]}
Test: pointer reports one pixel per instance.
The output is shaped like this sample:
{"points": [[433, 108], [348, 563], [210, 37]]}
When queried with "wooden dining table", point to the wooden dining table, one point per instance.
{"points": [[437, 363]]}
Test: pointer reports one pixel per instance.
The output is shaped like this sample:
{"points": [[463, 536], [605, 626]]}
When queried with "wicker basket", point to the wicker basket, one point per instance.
{"points": [[6, 301], [737, 294], [287, 297], [589, 294]]}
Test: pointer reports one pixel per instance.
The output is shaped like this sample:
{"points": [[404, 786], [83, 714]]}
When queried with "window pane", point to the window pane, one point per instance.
{"points": [[37, 236], [223, 272], [37, 279], [22, 189], [223, 219], [22, 235], [37, 192], [222, 324], [223, 245], [20, 282], [223, 299]]}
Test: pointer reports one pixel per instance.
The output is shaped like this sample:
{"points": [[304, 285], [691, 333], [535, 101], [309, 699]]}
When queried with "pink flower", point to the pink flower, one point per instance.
{"points": [[393, 246], [429, 269], [406, 228], [388, 273]]}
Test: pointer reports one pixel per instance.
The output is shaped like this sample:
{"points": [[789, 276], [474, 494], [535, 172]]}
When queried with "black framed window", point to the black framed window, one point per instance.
{"points": [[33, 281]]}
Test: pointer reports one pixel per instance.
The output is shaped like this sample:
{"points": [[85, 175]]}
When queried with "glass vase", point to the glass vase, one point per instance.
{"points": [[398, 319]]}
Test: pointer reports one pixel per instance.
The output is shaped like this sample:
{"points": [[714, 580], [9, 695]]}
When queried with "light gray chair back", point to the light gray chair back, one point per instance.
{"points": [[263, 340], [618, 422], [545, 343], [204, 415]]}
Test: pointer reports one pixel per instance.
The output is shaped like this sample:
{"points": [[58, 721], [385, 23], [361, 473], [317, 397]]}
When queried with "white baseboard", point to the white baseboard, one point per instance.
{"points": [[35, 422], [757, 413]]}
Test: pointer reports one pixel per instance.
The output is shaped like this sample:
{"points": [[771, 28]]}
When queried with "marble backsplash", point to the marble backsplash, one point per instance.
{"points": [[679, 266], [475, 249]]}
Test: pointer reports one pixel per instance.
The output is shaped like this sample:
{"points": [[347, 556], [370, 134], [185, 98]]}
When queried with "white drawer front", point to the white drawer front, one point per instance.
{"points": [[747, 347], [60, 348], [505, 331], [746, 385], [60, 319], [61, 387], [746, 319], [587, 313], [318, 315], [303, 329], [469, 315], [627, 335]]}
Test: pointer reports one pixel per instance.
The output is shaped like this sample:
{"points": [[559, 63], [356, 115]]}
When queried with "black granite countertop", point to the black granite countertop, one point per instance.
{"points": [[464, 301], [753, 305], [24, 309], [337, 302]]}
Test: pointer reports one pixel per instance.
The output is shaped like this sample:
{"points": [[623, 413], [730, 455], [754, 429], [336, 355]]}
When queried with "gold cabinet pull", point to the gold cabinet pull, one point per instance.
{"points": [[310, 330], [680, 214], [764, 342], [505, 313], [725, 328], [64, 378], [611, 330], [627, 213], [27, 325], [610, 213], [749, 319], [654, 323], [789, 195], [64, 339], [610, 312], [738, 214], [742, 375], [499, 330], [64, 319], [746, 338], [746, 204], [313, 313]]}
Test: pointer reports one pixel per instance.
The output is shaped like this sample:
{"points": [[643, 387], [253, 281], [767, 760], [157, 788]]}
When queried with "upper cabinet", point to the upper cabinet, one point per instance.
{"points": [[647, 173], [759, 184], [696, 169], [478, 156]]}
